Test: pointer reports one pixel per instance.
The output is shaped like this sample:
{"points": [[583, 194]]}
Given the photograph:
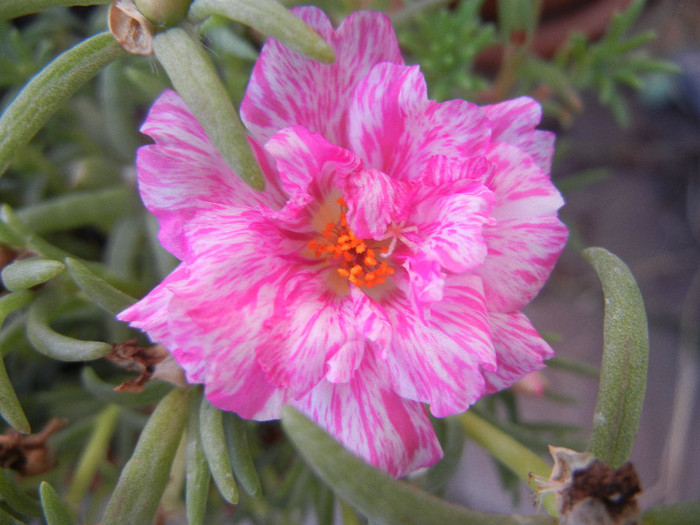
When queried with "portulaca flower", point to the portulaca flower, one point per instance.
{"points": [[385, 265]]}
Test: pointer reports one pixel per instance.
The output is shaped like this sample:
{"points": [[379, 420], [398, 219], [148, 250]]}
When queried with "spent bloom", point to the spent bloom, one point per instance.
{"points": [[385, 266]]}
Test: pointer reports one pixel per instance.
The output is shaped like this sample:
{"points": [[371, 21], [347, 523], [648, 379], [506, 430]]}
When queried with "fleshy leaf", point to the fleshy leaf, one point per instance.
{"points": [[11, 494], [100, 291], [10, 408], [27, 273], [239, 453], [271, 19], [14, 8], [197, 82], [197, 479], [623, 372], [51, 88], [54, 510], [57, 346], [214, 443], [380, 498], [143, 479]]}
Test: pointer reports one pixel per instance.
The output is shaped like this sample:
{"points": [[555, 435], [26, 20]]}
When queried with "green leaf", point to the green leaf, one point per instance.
{"points": [[97, 289], [50, 89], [8, 519], [10, 408], [54, 345], [623, 372], [685, 513], [239, 453], [14, 8], [380, 498], [271, 19], [94, 453], [27, 273], [55, 512], [77, 209], [143, 479], [211, 431], [13, 301], [196, 80], [198, 479], [16, 497]]}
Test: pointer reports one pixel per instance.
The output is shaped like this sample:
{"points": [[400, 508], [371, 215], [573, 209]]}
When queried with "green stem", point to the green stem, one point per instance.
{"points": [[518, 458], [95, 452]]}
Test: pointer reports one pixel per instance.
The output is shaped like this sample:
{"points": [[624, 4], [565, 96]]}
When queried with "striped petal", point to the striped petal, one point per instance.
{"points": [[371, 420], [514, 121], [395, 128], [438, 360], [183, 172], [519, 350], [287, 89]]}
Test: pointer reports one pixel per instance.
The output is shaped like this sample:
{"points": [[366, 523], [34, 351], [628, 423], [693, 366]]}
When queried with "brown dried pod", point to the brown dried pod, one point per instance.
{"points": [[130, 28]]}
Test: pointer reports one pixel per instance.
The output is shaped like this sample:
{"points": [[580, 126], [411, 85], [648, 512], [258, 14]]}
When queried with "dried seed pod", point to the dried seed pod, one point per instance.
{"points": [[130, 28]]}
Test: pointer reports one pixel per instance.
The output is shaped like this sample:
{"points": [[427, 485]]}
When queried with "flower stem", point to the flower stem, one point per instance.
{"points": [[518, 458], [93, 455]]}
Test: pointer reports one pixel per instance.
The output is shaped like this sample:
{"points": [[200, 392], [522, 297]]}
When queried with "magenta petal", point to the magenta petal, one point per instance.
{"points": [[304, 157], [309, 325], [183, 172], [521, 256], [287, 89], [519, 350], [371, 197], [365, 415], [522, 190], [395, 128], [438, 360], [514, 121]]}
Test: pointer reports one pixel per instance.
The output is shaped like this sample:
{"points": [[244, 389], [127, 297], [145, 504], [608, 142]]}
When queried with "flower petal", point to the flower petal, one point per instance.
{"points": [[310, 323], [183, 172], [395, 128], [438, 360], [521, 256], [519, 350], [521, 188], [514, 121], [287, 89], [366, 416]]}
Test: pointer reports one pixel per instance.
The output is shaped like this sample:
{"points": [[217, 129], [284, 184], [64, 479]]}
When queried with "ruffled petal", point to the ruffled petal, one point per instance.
{"points": [[308, 164], [514, 121], [395, 128], [372, 198], [365, 415], [438, 360], [448, 224], [183, 172], [287, 89], [522, 190], [519, 350], [521, 256], [311, 323]]}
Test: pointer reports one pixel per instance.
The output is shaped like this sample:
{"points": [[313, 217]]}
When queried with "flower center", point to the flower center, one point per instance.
{"points": [[357, 262]]}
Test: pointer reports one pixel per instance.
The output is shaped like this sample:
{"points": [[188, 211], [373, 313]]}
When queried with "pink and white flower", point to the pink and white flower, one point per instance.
{"points": [[385, 266]]}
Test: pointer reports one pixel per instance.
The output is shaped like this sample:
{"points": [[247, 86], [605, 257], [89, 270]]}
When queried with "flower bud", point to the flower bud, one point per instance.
{"points": [[164, 13]]}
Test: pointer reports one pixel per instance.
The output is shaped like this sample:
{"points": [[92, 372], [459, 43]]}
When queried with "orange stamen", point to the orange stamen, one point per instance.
{"points": [[356, 260]]}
